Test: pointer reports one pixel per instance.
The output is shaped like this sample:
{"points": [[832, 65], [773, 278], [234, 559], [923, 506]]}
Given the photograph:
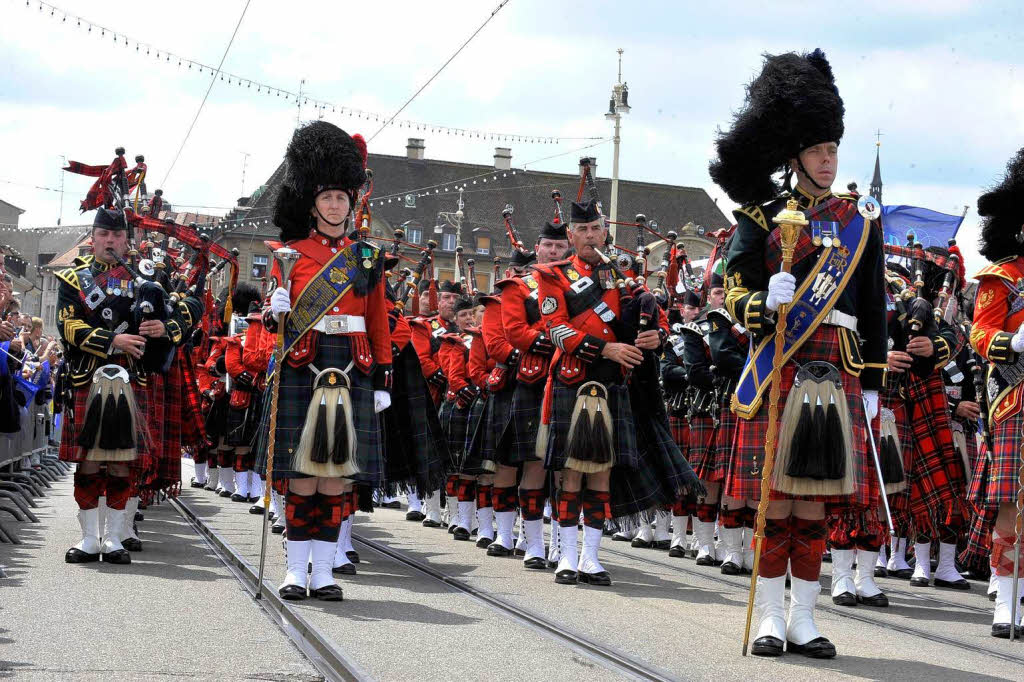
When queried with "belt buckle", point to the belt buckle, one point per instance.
{"points": [[336, 325]]}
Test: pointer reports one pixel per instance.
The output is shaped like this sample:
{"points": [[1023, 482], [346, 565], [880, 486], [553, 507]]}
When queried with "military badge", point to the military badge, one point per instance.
{"points": [[549, 305], [572, 274]]}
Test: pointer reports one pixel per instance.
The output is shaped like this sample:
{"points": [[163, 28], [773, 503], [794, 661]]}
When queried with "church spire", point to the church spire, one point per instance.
{"points": [[876, 180]]}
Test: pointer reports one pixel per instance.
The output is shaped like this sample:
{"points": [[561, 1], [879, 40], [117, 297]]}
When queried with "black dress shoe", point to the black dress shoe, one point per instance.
{"points": [[292, 592], [77, 556], [394, 504], [353, 556], [256, 509], [620, 538], [881, 572], [819, 647], [431, 523], [327, 593], [920, 582], [677, 552], [414, 516], [132, 544], [139, 516], [991, 596], [484, 543], [238, 497], [226, 493], [901, 573], [706, 560], [729, 568], [121, 556], [460, 534], [1002, 630], [845, 599], [661, 544], [344, 569], [452, 527], [953, 584], [767, 646], [879, 600], [277, 528], [537, 563], [498, 549], [518, 552], [601, 578], [641, 543], [566, 577], [197, 484]]}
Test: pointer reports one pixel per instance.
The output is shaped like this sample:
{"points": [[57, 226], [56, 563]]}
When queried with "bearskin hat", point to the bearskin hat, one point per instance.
{"points": [[243, 296], [792, 105], [1002, 212], [320, 156]]}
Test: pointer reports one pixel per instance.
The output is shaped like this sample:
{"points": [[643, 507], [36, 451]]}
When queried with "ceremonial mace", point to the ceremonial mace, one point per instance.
{"points": [[791, 221], [285, 258]]}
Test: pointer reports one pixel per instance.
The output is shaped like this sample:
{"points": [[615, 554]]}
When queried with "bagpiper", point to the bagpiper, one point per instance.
{"points": [[833, 352], [998, 335], [105, 333], [336, 371]]}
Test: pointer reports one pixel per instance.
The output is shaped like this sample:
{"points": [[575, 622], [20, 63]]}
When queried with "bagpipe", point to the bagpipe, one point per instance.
{"points": [[114, 182]]}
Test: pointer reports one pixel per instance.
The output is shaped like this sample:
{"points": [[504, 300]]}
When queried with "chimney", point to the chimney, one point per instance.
{"points": [[414, 149], [502, 158]]}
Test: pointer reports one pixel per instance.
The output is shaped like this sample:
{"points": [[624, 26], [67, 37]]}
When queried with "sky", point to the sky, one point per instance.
{"points": [[941, 80]]}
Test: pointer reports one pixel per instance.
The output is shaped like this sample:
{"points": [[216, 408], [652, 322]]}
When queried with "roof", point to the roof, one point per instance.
{"points": [[528, 191], [7, 203], [66, 259]]}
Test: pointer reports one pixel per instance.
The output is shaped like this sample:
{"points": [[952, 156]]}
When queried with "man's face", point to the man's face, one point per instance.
{"points": [[586, 238], [424, 301], [464, 318], [821, 163], [104, 240], [25, 321], [446, 304], [332, 205], [716, 297], [551, 250], [690, 313]]}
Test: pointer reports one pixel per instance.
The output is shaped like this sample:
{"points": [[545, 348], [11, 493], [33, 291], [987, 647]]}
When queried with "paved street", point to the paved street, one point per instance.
{"points": [[177, 610]]}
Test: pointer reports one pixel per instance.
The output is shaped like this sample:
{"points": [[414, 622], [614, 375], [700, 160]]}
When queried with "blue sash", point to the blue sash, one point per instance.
{"points": [[814, 299], [320, 294]]}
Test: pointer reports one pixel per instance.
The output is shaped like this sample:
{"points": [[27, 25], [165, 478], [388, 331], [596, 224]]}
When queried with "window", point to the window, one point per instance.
{"points": [[445, 274], [259, 266], [483, 244], [414, 235], [448, 241]]}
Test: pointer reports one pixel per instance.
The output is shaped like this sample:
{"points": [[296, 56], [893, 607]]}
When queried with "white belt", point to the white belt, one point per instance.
{"points": [[838, 319], [341, 324]]}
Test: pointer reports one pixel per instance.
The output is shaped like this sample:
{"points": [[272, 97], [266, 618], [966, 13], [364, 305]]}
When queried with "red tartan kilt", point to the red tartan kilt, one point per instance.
{"points": [[680, 432], [749, 439], [1000, 483], [71, 428], [708, 461]]}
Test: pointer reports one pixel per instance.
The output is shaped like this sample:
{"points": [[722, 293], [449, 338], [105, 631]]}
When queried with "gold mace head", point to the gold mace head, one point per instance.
{"points": [[286, 258], [791, 221]]}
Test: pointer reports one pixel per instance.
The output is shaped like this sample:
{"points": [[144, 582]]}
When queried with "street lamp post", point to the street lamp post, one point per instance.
{"points": [[453, 218], [618, 105]]}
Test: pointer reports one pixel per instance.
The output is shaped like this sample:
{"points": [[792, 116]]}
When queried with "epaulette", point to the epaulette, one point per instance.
{"points": [[70, 276], [693, 328], [502, 283], [850, 196], [723, 313], [273, 244], [755, 213], [1001, 269], [484, 299]]}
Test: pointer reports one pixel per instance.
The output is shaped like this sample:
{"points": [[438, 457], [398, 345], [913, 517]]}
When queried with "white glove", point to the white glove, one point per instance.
{"points": [[871, 404], [1017, 342], [381, 400], [781, 288], [280, 302]]}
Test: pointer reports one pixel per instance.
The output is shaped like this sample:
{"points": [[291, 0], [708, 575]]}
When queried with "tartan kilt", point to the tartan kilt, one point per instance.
{"points": [[495, 433], [73, 420], [454, 421], [680, 428], [242, 424], [165, 418], [193, 435], [1000, 483], [748, 442], [519, 442], [934, 470], [415, 451], [563, 400], [296, 393], [662, 473], [476, 437], [215, 416]]}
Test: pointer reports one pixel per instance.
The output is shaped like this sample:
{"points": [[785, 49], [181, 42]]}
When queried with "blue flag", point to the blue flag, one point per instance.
{"points": [[930, 228]]}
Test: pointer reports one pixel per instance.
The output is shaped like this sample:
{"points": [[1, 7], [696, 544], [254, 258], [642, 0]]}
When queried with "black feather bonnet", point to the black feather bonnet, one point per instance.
{"points": [[1002, 212], [793, 104], [320, 156]]}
